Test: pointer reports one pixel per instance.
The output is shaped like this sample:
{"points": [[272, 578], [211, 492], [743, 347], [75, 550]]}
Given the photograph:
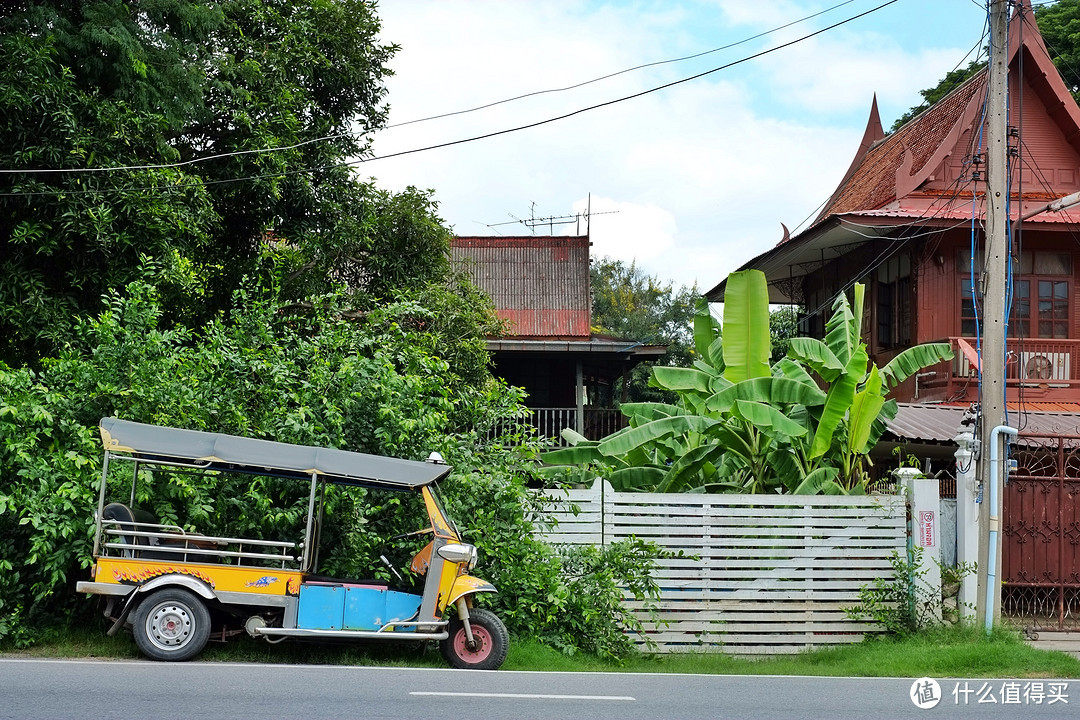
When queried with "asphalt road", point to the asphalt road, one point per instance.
{"points": [[32, 689]]}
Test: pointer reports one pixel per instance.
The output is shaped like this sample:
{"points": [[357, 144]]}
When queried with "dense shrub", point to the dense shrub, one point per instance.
{"points": [[375, 383]]}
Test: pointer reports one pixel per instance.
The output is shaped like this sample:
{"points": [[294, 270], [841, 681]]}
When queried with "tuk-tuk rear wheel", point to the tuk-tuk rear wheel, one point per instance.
{"points": [[491, 642], [171, 624]]}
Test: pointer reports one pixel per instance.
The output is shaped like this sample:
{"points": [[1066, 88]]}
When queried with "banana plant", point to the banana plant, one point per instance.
{"points": [[732, 417], [852, 418], [740, 425]]}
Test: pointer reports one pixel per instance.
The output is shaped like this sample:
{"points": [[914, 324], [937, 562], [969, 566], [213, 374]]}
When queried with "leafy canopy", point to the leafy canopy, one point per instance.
{"points": [[627, 303], [112, 84]]}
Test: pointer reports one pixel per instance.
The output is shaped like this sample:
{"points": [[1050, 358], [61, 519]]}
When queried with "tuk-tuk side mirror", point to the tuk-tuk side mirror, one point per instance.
{"points": [[436, 459]]}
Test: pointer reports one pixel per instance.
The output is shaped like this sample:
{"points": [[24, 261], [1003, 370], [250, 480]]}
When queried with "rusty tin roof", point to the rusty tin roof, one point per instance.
{"points": [[539, 284]]}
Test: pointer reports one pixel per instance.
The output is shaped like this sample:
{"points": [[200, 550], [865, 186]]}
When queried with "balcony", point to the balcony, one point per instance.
{"points": [[1041, 370], [596, 422]]}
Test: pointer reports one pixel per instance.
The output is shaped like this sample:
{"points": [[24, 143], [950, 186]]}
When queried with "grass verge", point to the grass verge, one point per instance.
{"points": [[944, 652]]}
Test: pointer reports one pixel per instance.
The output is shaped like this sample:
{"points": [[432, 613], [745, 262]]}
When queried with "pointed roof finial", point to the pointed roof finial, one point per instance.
{"points": [[872, 134]]}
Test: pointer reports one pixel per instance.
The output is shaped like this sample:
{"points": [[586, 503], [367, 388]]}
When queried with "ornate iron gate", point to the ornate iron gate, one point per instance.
{"points": [[1040, 534]]}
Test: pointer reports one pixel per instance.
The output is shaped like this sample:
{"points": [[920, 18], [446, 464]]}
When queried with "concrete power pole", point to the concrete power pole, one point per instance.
{"points": [[992, 282]]}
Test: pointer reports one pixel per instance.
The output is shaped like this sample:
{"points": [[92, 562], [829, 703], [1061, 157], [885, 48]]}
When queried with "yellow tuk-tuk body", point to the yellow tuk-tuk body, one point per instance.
{"points": [[161, 580]]}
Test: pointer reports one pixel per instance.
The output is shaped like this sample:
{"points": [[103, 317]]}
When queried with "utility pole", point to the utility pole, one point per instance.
{"points": [[992, 281]]}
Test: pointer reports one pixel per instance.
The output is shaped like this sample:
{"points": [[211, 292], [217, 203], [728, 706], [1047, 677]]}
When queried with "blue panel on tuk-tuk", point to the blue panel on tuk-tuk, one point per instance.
{"points": [[371, 607], [321, 607]]}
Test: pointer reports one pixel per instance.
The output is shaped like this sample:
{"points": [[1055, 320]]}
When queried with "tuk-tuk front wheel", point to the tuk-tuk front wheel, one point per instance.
{"points": [[490, 642], [171, 624]]}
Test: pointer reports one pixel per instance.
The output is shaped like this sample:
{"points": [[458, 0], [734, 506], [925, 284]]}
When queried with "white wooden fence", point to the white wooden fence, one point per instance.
{"points": [[772, 573]]}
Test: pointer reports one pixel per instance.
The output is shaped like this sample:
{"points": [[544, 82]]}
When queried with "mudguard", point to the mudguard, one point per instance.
{"points": [[185, 581], [468, 585]]}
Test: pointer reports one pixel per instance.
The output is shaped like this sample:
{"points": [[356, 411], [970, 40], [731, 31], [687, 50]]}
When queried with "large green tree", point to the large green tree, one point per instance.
{"points": [[108, 92], [321, 375], [628, 303]]}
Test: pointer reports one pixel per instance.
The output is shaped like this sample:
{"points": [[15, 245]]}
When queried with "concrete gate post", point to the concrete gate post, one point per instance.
{"points": [[967, 521], [925, 502]]}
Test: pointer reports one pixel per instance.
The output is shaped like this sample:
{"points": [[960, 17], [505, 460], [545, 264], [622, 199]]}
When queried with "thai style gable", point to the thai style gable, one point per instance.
{"points": [[907, 221]]}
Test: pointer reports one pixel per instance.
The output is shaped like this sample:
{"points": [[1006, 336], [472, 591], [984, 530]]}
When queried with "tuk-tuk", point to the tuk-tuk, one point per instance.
{"points": [[163, 581]]}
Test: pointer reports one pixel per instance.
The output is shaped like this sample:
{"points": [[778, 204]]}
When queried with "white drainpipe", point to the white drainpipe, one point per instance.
{"points": [[992, 551]]}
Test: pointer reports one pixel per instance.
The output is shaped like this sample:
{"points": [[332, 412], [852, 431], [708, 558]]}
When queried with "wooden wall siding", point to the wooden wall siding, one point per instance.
{"points": [[937, 288], [772, 575], [1056, 160]]}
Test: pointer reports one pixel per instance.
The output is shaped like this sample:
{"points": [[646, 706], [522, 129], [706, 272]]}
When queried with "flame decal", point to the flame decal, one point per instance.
{"points": [[125, 575]]}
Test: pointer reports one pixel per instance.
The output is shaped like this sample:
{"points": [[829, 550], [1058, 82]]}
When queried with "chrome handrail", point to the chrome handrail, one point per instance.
{"points": [[197, 551], [190, 536]]}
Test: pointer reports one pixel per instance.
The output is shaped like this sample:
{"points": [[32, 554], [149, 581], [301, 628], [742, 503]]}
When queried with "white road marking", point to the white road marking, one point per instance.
{"points": [[529, 696]]}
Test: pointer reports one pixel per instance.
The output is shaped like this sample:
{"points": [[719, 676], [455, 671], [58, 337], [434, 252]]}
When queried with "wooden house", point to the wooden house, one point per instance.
{"points": [[907, 220], [540, 287]]}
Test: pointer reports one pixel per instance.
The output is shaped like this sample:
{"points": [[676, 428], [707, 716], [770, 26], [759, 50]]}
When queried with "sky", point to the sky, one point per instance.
{"points": [[688, 182]]}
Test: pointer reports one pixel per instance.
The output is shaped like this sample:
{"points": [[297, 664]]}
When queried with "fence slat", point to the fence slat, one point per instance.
{"points": [[761, 574]]}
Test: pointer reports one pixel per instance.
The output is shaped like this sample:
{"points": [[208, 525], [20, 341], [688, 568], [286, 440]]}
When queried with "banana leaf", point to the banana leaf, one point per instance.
{"points": [[573, 436], [914, 359], [821, 481], [764, 416], [691, 467], [648, 410], [706, 332], [625, 442], [817, 356], [864, 411], [700, 365], [775, 390], [636, 478], [747, 341], [580, 454], [680, 379], [792, 370], [716, 355], [838, 401], [842, 331]]}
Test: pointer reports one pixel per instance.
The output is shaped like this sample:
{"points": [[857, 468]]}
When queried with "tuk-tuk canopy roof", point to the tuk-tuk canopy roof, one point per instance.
{"points": [[217, 451]]}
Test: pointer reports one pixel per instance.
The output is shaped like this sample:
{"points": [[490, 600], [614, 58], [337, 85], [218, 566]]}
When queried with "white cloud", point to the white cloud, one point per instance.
{"points": [[702, 173], [627, 231]]}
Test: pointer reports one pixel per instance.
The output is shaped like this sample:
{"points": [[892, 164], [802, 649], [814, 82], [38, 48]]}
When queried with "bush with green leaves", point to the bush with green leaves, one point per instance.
{"points": [[803, 425], [905, 603], [374, 382]]}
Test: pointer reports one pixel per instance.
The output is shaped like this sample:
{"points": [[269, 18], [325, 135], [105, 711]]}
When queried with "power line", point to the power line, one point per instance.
{"points": [[518, 128], [621, 72], [336, 136]]}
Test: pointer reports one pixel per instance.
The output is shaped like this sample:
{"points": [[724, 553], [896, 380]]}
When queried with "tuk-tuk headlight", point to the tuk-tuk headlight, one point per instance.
{"points": [[459, 553]]}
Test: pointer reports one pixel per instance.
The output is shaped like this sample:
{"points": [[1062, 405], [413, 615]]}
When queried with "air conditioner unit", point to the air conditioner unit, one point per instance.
{"points": [[1045, 366]]}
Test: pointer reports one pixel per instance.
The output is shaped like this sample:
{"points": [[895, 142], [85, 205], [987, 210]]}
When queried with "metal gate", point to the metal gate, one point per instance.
{"points": [[1040, 534]]}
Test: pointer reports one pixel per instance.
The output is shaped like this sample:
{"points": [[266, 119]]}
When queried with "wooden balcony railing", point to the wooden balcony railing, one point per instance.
{"points": [[1039, 368]]}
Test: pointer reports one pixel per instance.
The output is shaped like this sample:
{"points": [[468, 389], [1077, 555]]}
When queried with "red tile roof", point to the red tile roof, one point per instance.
{"points": [[873, 184]]}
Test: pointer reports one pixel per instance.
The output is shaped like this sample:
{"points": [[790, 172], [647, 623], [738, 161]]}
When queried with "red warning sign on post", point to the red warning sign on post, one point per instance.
{"points": [[927, 530]]}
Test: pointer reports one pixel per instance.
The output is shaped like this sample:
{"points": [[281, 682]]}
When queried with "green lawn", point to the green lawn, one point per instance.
{"points": [[951, 652]]}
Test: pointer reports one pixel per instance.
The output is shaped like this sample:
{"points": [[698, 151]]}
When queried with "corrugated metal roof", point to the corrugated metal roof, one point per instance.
{"points": [[1070, 216], [539, 284], [941, 423]]}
